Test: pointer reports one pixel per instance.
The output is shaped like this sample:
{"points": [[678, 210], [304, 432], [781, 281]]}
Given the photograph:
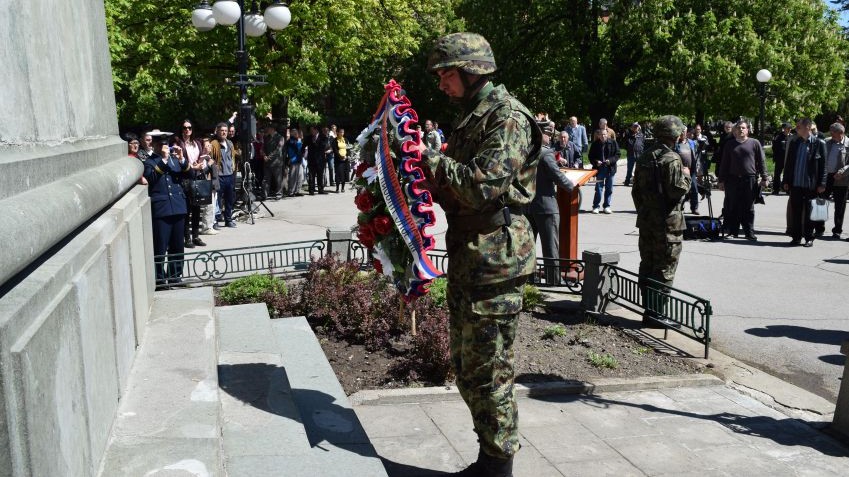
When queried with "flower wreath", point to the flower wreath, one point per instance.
{"points": [[395, 209]]}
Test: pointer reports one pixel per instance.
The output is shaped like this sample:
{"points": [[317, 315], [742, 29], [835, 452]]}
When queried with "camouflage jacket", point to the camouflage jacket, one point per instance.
{"points": [[490, 163], [658, 190]]}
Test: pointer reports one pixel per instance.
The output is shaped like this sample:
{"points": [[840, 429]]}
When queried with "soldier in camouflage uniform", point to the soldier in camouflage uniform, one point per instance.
{"points": [[661, 182], [485, 177]]}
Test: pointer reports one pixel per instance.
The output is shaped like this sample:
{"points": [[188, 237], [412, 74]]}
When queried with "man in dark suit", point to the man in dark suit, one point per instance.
{"points": [[805, 179], [316, 144], [543, 211]]}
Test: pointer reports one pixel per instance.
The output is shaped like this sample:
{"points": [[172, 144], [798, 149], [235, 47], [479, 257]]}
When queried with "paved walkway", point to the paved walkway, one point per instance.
{"points": [[690, 431], [775, 307]]}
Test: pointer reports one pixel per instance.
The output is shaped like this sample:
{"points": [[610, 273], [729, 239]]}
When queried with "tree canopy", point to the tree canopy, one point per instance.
{"points": [[625, 59]]}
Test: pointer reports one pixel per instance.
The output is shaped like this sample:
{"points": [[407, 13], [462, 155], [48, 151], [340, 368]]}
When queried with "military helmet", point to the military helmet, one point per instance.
{"points": [[467, 52], [668, 127]]}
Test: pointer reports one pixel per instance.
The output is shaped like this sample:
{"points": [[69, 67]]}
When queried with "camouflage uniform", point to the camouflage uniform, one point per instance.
{"points": [[485, 177], [658, 192]]}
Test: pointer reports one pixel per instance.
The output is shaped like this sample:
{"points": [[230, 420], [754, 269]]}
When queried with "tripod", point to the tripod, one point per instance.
{"points": [[248, 204]]}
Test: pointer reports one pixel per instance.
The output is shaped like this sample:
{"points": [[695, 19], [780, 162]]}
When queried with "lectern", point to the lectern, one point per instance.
{"points": [[567, 202]]}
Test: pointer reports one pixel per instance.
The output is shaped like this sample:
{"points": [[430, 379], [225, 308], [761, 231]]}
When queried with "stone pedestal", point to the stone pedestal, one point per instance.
{"points": [[841, 412], [339, 241], [594, 287]]}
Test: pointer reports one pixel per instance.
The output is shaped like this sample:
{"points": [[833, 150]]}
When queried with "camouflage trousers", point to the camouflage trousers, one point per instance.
{"points": [[482, 329], [659, 254]]}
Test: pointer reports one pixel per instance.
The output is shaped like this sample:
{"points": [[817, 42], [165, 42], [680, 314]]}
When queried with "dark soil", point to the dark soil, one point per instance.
{"points": [[539, 358]]}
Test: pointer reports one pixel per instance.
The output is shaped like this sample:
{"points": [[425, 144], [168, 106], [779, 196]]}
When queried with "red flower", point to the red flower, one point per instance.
{"points": [[378, 267], [361, 168], [366, 235], [382, 225], [364, 201]]}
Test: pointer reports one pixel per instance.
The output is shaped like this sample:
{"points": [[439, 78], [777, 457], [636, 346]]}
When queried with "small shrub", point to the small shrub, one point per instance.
{"points": [[532, 298], [602, 360], [438, 292], [430, 358], [553, 331], [641, 350], [252, 289]]}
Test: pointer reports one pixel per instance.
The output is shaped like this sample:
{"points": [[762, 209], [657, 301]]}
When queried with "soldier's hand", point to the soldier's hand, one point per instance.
{"points": [[820, 189], [786, 187], [721, 186], [685, 170]]}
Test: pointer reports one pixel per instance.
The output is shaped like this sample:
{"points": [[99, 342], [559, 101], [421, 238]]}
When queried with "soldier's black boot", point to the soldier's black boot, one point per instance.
{"points": [[488, 466]]}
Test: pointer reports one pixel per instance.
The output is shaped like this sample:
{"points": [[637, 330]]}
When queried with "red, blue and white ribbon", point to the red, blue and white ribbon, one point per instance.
{"points": [[409, 203]]}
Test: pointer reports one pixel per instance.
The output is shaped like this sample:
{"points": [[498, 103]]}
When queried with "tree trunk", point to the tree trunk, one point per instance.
{"points": [[280, 110]]}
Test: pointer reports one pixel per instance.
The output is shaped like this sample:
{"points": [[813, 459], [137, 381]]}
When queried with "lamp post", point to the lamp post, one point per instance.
{"points": [[763, 77], [232, 12]]}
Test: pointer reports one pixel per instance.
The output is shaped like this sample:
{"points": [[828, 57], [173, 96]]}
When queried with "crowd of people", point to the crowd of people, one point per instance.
{"points": [[279, 163]]}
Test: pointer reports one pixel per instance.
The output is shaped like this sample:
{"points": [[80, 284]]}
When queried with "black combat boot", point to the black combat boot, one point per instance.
{"points": [[488, 466]]}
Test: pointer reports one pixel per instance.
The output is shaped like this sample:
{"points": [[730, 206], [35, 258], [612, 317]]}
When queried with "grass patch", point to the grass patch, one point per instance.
{"points": [[602, 360], [641, 350], [532, 298], [553, 331]]}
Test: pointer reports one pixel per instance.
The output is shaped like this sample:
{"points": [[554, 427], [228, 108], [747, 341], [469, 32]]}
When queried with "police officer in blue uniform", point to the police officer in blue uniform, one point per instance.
{"points": [[164, 170]]}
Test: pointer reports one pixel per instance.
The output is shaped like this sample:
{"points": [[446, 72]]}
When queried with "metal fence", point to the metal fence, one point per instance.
{"points": [[293, 258], [692, 313]]}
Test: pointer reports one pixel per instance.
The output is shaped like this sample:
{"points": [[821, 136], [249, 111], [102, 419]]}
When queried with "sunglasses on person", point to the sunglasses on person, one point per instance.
{"points": [[187, 127]]}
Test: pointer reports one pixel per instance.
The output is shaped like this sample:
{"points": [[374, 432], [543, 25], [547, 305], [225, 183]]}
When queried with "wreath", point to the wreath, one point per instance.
{"points": [[395, 208]]}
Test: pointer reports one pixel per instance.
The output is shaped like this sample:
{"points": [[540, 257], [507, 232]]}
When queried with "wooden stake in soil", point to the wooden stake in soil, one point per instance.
{"points": [[413, 318]]}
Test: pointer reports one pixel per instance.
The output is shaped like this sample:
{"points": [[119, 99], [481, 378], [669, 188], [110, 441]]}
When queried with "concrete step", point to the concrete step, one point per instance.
{"points": [[283, 410], [168, 419]]}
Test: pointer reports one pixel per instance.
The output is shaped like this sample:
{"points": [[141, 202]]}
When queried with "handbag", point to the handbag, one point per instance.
{"points": [[819, 210], [200, 192]]}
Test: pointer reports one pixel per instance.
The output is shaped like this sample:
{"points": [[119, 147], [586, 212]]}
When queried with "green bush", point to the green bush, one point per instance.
{"points": [[532, 298], [251, 289], [554, 330], [439, 292], [605, 360]]}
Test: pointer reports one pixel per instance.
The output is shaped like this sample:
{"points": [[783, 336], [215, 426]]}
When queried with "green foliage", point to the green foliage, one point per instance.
{"points": [[438, 292], [602, 360], [251, 289], [691, 58], [532, 298], [641, 350], [554, 330], [332, 59]]}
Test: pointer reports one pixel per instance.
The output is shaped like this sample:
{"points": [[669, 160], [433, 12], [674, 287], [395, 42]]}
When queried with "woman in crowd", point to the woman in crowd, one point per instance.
{"points": [[164, 170], [340, 152], [603, 154], [295, 150], [192, 149], [208, 213], [133, 151]]}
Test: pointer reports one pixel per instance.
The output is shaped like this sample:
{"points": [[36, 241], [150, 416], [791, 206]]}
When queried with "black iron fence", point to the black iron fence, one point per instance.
{"points": [[293, 258], [690, 313]]}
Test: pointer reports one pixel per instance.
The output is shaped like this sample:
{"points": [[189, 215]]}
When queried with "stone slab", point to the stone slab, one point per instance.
{"points": [[163, 457], [332, 460], [98, 342], [258, 414], [325, 409], [604, 385], [173, 390], [245, 329], [123, 313]]}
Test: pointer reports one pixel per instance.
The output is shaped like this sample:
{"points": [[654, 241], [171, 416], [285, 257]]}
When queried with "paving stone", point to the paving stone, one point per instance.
{"points": [[395, 420], [617, 467], [529, 461], [694, 435], [245, 328], [325, 461], [258, 414], [417, 454], [655, 456], [162, 457], [742, 460], [606, 422], [455, 423]]}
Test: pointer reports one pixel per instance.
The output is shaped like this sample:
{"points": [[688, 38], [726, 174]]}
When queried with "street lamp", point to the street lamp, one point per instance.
{"points": [[232, 12], [763, 77]]}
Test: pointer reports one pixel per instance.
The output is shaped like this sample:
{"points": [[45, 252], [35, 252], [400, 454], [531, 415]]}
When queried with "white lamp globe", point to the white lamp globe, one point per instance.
{"points": [[226, 12], [278, 16], [202, 17], [255, 25], [764, 76]]}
